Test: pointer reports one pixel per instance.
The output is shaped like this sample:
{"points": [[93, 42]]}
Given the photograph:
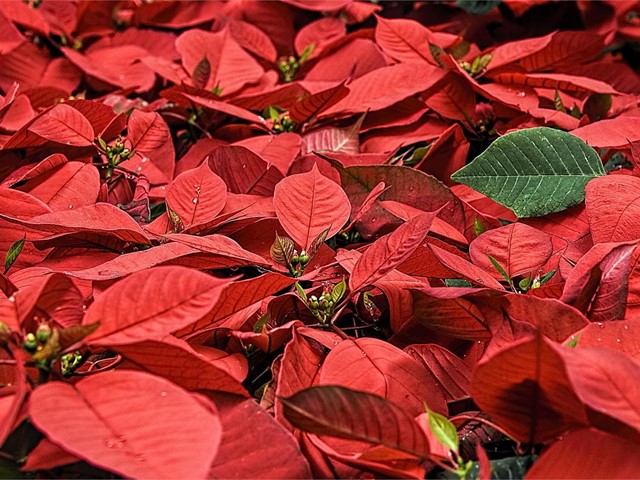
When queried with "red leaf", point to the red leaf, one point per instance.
{"points": [[531, 374], [333, 139], [454, 100], [230, 66], [385, 86], [151, 304], [610, 133], [114, 428], [406, 185], [389, 251], [64, 124], [195, 197], [237, 296], [605, 381], [614, 221], [446, 310], [621, 335], [178, 362], [465, 268], [255, 446], [406, 40], [101, 219], [347, 413], [310, 107], [518, 248], [151, 140], [450, 373], [588, 454], [73, 183], [244, 171], [376, 367], [309, 203]]}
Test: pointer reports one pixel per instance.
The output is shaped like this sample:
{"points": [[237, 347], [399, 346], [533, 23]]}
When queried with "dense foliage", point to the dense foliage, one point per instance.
{"points": [[328, 238]]}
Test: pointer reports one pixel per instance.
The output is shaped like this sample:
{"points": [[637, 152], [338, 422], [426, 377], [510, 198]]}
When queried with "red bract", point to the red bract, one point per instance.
{"points": [[236, 245]]}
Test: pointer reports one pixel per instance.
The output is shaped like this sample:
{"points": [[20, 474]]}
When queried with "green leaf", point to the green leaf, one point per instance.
{"points": [[478, 7], [499, 268], [533, 171], [262, 321], [443, 430], [338, 291], [457, 282], [524, 284], [547, 276], [12, 254], [557, 102], [301, 293], [308, 50], [478, 227]]}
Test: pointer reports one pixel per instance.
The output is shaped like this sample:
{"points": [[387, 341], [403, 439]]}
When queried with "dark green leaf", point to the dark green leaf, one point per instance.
{"points": [[478, 7], [499, 268], [505, 468], [12, 254], [534, 171]]}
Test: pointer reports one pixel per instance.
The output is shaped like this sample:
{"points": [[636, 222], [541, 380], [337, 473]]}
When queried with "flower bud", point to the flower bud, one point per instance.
{"points": [[43, 333], [30, 343]]}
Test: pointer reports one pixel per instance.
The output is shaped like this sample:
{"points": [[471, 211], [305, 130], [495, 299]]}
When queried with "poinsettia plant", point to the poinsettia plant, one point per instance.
{"points": [[319, 239]]}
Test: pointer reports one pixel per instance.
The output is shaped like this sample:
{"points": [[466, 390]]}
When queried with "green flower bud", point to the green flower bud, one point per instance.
{"points": [[43, 333], [30, 343]]}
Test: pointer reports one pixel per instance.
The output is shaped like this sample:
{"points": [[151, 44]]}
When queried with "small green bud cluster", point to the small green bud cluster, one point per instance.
{"points": [[34, 342], [298, 262], [285, 124], [69, 362], [288, 67], [322, 307], [477, 66]]}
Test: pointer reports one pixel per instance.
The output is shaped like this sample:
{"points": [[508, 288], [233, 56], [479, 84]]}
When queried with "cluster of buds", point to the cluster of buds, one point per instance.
{"points": [[288, 67], [34, 342], [322, 307], [477, 66], [298, 262], [116, 154], [69, 362], [284, 124]]}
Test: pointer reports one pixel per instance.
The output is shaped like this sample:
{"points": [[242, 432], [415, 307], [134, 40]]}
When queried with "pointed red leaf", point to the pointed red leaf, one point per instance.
{"points": [[610, 133], [446, 310], [377, 367], [73, 183], [195, 197], [449, 371], [310, 107], [230, 66], [466, 269], [255, 446], [244, 171], [348, 413], [389, 251], [100, 219], [107, 421], [176, 361], [64, 124], [385, 86], [531, 374], [605, 381], [614, 221], [518, 248], [309, 203], [590, 454], [151, 141], [150, 304]]}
